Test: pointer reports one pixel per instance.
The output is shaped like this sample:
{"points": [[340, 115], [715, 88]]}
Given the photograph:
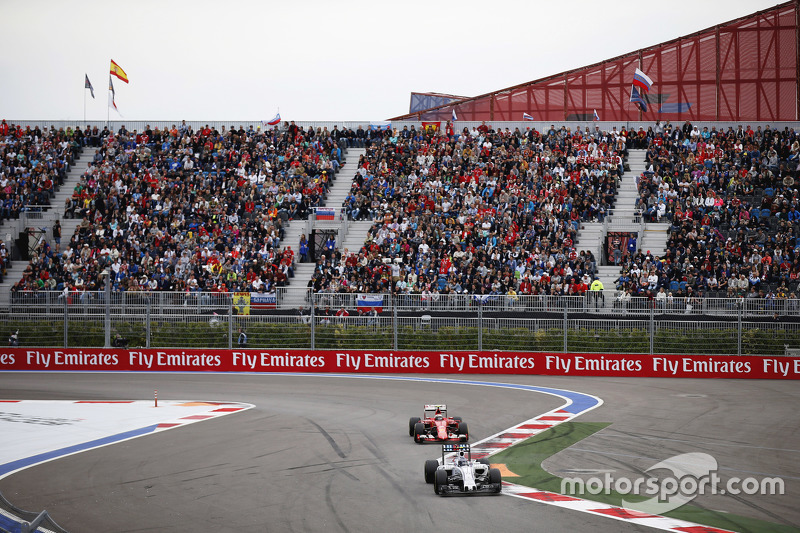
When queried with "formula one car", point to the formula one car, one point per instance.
{"points": [[436, 426], [462, 474]]}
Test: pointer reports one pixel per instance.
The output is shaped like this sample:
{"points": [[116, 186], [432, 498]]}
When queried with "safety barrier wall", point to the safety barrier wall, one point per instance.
{"points": [[392, 362]]}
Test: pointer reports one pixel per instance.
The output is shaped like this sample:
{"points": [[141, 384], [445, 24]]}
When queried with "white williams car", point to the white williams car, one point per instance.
{"points": [[460, 474]]}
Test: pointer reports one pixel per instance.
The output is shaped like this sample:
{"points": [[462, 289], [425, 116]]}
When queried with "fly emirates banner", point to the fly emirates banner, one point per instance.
{"points": [[361, 361]]}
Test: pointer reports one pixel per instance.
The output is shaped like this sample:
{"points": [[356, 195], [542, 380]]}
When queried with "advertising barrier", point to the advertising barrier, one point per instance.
{"points": [[424, 362]]}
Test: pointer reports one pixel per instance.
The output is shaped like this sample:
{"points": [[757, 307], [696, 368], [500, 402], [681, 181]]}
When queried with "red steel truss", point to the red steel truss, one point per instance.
{"points": [[745, 69]]}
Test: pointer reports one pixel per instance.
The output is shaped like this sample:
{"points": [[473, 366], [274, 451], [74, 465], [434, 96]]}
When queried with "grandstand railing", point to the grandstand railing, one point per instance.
{"points": [[183, 303], [590, 323]]}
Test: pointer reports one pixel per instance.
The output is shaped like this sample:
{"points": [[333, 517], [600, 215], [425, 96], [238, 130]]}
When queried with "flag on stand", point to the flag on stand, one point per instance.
{"points": [[365, 302], [454, 117], [596, 116], [118, 72], [431, 127], [111, 93], [263, 300], [380, 126], [642, 81], [274, 120], [526, 116], [88, 85], [637, 99], [325, 213]]}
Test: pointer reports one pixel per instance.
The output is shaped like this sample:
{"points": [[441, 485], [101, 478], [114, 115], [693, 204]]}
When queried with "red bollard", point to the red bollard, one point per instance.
{"points": [[156, 397]]}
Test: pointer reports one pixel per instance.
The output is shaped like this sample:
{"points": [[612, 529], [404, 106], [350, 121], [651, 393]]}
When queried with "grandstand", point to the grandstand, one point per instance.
{"points": [[429, 210]]}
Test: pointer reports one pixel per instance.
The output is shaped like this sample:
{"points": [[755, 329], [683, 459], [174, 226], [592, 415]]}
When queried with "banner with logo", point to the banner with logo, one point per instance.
{"points": [[383, 361]]}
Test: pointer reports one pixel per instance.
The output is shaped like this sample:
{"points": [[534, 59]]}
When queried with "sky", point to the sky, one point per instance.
{"points": [[312, 60]]}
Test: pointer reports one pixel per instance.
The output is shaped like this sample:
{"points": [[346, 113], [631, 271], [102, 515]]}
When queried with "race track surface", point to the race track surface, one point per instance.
{"points": [[322, 453]]}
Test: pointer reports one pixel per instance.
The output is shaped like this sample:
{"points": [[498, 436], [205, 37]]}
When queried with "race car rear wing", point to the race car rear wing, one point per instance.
{"points": [[456, 447], [432, 408]]}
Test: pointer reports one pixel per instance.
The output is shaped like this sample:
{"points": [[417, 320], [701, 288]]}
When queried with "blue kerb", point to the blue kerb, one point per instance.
{"points": [[42, 457], [578, 402]]}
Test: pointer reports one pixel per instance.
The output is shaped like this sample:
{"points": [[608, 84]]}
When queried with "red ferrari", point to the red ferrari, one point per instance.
{"points": [[436, 426]]}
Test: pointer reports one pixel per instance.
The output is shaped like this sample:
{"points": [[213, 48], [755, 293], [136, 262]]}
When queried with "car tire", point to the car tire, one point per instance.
{"points": [[430, 470], [419, 429], [457, 418], [496, 477], [411, 423], [463, 429], [439, 480]]}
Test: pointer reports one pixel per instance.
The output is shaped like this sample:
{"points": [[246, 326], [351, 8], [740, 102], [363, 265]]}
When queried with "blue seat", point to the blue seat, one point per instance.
{"points": [[674, 286], [682, 286], [769, 191], [765, 213]]}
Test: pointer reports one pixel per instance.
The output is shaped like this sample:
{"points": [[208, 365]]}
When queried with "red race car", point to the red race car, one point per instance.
{"points": [[436, 426]]}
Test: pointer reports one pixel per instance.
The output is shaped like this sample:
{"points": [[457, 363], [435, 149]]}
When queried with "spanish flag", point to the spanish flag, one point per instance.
{"points": [[117, 71]]}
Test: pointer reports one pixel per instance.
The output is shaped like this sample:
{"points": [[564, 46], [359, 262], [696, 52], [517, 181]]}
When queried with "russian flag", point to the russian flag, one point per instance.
{"points": [[326, 213], [274, 120], [454, 117], [596, 116], [526, 116], [642, 81], [365, 302]]}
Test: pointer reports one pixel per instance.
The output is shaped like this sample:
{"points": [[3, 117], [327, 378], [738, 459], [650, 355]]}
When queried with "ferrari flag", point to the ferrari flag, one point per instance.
{"points": [[118, 72]]}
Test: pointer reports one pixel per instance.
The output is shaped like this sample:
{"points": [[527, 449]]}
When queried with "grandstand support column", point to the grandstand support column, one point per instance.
{"points": [[564, 348], [718, 74], [797, 56], [230, 325], [66, 323], [313, 321], [147, 325], [739, 328], [107, 327], [652, 327], [480, 326], [394, 322]]}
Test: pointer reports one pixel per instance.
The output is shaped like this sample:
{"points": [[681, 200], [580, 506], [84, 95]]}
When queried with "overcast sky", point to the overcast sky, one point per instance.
{"points": [[313, 60]]}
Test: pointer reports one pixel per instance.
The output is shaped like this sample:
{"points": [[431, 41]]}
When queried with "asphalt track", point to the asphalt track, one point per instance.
{"points": [[332, 454]]}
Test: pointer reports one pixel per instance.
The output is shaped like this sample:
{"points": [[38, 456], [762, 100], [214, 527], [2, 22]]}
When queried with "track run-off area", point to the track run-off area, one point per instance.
{"points": [[306, 452]]}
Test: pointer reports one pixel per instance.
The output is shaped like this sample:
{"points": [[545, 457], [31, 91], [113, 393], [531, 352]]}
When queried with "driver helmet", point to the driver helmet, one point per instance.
{"points": [[438, 417], [461, 460]]}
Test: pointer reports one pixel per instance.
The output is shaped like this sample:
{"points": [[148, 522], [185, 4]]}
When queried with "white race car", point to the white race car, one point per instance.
{"points": [[459, 473]]}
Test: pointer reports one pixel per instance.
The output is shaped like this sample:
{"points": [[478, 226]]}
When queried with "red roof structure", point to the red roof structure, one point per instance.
{"points": [[744, 69]]}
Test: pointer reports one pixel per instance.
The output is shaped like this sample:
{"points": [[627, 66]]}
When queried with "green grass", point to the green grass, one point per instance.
{"points": [[525, 459]]}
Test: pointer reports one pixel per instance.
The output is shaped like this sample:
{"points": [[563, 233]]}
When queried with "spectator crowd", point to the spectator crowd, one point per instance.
{"points": [[479, 211]]}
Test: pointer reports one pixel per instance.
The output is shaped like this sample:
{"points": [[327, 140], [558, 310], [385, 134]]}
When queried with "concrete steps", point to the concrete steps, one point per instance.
{"points": [[295, 294], [627, 192], [344, 179], [11, 229]]}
